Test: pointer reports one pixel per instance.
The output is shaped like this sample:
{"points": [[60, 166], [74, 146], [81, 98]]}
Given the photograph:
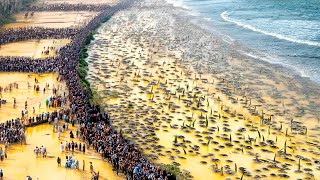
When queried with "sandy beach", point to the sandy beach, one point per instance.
{"points": [[38, 167], [171, 93], [35, 49], [57, 19], [190, 99], [25, 92]]}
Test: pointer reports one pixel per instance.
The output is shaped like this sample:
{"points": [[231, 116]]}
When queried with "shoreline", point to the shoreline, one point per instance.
{"points": [[214, 23], [306, 85], [284, 69]]}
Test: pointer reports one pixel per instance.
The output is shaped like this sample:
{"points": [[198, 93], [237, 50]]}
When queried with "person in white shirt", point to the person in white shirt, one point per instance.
{"points": [[61, 147]]}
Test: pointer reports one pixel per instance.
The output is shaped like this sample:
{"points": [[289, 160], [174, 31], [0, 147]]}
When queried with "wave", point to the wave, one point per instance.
{"points": [[225, 16], [178, 3], [275, 60]]}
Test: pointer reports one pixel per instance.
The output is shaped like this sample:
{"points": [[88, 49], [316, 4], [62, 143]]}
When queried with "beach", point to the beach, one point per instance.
{"points": [[187, 97], [150, 94]]}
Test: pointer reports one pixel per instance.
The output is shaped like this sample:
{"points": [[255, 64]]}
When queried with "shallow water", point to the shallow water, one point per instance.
{"points": [[33, 48], [57, 19], [281, 32], [153, 97], [22, 161], [27, 93]]}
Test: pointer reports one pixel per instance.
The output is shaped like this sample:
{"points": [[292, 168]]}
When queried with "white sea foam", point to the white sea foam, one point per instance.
{"points": [[275, 60], [177, 3], [225, 16]]}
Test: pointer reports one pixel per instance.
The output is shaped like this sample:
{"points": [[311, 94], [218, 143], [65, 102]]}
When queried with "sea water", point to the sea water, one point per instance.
{"points": [[285, 32]]}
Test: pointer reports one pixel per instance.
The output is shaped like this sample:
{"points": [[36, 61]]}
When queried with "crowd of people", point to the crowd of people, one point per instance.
{"points": [[11, 131], [95, 128], [27, 64], [40, 151], [122, 154], [67, 7], [9, 35]]}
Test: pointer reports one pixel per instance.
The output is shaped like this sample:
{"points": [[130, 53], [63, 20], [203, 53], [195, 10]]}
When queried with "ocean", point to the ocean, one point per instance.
{"points": [[285, 32]]}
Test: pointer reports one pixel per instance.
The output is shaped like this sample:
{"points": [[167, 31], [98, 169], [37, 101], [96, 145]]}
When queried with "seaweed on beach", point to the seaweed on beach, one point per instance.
{"points": [[83, 66]]}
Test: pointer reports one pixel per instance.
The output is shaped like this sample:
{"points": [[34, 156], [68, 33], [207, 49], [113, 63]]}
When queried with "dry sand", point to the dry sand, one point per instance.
{"points": [[26, 93], [57, 19], [34, 48], [22, 161]]}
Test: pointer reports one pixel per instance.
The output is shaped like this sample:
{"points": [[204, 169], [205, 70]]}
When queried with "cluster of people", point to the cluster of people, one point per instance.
{"points": [[72, 147], [11, 131], [67, 7], [26, 64], [124, 155], [71, 163], [9, 35], [95, 129], [42, 151], [40, 118], [9, 87]]}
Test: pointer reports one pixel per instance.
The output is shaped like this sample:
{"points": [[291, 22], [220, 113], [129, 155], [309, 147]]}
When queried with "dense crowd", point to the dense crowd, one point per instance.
{"points": [[95, 128], [26, 64], [9, 35], [67, 7], [124, 155], [12, 131]]}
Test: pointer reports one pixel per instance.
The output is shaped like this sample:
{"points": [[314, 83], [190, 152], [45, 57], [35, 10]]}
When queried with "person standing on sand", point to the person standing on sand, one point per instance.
{"points": [[1, 174], [58, 134], [91, 167], [61, 147], [66, 145], [59, 161]]}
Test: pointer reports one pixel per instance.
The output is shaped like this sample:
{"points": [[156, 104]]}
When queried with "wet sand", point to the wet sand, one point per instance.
{"points": [[22, 161], [186, 101], [34, 48], [27, 93], [57, 19]]}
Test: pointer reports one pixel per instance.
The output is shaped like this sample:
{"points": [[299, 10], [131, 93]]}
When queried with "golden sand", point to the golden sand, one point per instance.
{"points": [[34, 48], [22, 161], [56, 19], [26, 92], [150, 89]]}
